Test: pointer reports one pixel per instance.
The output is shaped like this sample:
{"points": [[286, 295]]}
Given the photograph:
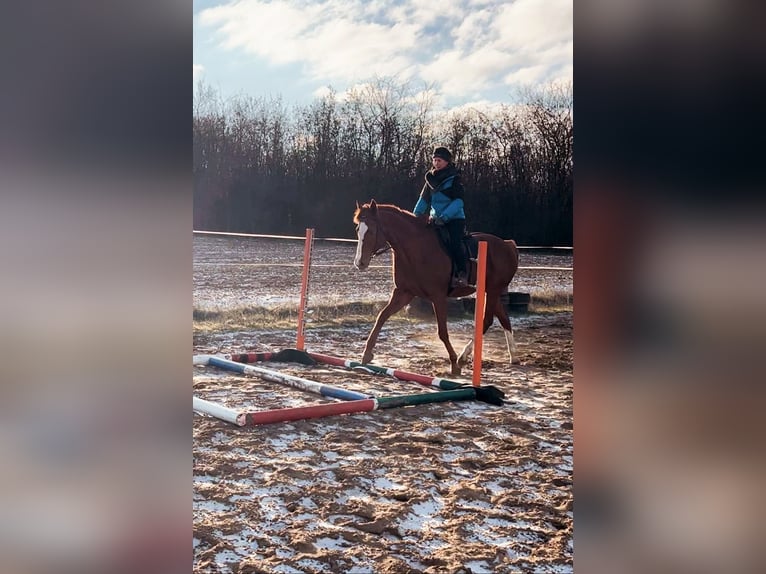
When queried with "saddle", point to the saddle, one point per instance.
{"points": [[470, 247]]}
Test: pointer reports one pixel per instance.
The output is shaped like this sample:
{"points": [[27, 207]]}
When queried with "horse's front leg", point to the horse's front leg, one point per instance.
{"points": [[397, 301], [440, 310]]}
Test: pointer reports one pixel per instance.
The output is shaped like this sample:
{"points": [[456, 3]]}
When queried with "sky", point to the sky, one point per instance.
{"points": [[470, 52]]}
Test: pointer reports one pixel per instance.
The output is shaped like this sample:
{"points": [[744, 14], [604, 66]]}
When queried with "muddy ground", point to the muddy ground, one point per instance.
{"points": [[447, 487], [436, 488]]}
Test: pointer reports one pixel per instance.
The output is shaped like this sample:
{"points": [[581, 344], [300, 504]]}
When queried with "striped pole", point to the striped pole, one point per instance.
{"points": [[464, 394], [487, 394], [256, 418], [216, 410], [481, 301], [307, 412], [349, 407], [297, 382], [304, 288], [437, 382]]}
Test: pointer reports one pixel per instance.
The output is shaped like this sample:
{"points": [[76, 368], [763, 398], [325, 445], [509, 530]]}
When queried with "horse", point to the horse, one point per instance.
{"points": [[422, 268]]}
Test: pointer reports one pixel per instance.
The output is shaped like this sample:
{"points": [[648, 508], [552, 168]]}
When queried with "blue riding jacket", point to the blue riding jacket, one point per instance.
{"points": [[443, 193]]}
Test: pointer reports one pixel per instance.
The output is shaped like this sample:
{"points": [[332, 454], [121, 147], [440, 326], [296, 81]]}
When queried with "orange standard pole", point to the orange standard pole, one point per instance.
{"points": [[481, 299], [300, 344]]}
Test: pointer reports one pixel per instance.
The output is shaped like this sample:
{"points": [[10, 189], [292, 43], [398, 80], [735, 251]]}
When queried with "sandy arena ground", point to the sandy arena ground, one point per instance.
{"points": [[438, 488]]}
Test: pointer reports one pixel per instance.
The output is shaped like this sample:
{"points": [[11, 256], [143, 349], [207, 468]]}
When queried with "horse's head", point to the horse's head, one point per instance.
{"points": [[370, 238]]}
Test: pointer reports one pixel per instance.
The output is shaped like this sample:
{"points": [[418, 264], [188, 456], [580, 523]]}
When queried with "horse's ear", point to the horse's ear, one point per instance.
{"points": [[373, 206]]}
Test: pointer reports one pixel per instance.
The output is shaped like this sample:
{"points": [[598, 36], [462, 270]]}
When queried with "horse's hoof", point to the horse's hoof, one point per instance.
{"points": [[366, 358], [515, 361], [456, 370]]}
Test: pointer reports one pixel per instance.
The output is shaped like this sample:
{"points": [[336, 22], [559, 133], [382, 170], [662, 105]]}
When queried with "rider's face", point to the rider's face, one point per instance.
{"points": [[439, 163]]}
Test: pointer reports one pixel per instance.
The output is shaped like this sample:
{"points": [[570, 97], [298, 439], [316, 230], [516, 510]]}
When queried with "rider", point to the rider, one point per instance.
{"points": [[443, 193]]}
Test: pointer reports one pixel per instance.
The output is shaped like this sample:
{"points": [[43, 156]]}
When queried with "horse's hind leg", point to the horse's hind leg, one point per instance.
{"points": [[505, 321], [489, 317], [397, 301], [440, 310]]}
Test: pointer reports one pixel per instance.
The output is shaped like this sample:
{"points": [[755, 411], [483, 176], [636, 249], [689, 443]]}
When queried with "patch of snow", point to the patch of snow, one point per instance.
{"points": [[283, 441], [479, 567], [225, 557], [414, 564], [386, 484], [298, 453], [210, 506], [351, 494], [339, 543], [307, 503], [494, 487], [311, 563], [304, 516], [473, 504], [530, 466], [549, 446], [497, 522], [433, 544], [283, 553], [477, 533], [205, 478], [220, 438], [424, 515], [272, 507]]}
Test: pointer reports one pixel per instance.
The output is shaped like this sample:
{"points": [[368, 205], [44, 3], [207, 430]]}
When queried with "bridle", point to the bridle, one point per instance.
{"points": [[385, 247], [381, 250]]}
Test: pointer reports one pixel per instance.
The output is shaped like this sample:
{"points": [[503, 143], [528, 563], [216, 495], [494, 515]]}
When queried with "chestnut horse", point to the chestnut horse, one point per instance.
{"points": [[423, 268]]}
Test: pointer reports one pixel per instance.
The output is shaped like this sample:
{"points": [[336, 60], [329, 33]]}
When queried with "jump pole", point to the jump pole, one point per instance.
{"points": [[296, 382], [300, 344], [255, 418], [481, 301], [488, 394], [216, 410], [425, 380]]}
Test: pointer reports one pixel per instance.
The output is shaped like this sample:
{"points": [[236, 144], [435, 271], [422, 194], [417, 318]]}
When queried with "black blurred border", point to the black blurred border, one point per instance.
{"points": [[95, 157], [95, 169], [669, 243]]}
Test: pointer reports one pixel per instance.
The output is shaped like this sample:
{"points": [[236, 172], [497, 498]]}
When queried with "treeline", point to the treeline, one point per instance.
{"points": [[263, 167]]}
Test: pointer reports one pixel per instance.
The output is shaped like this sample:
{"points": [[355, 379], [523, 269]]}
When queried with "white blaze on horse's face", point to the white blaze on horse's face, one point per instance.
{"points": [[360, 233]]}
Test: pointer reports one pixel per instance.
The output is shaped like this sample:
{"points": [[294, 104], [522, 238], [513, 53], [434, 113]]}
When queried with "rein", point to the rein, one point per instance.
{"points": [[381, 250]]}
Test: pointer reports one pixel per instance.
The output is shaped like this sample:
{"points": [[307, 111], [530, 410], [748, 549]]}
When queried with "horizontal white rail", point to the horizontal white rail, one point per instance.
{"points": [[302, 238], [345, 266]]}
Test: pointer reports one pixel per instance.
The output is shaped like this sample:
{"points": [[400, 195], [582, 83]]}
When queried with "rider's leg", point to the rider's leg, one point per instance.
{"points": [[456, 229]]}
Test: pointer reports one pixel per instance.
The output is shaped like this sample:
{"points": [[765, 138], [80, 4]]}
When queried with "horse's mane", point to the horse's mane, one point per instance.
{"points": [[386, 206]]}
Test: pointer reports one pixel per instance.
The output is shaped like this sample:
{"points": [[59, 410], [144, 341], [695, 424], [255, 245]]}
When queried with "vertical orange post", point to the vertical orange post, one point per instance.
{"points": [[481, 299], [304, 288]]}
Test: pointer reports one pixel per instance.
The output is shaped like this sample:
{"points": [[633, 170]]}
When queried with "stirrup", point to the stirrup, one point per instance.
{"points": [[459, 281]]}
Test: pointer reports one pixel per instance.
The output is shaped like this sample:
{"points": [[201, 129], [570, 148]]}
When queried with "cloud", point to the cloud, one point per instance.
{"points": [[335, 40], [465, 47]]}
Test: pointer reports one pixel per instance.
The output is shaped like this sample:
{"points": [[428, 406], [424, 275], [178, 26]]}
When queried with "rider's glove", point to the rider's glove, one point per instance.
{"points": [[437, 221]]}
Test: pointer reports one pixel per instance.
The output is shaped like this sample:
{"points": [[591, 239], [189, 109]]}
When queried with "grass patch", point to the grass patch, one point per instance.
{"points": [[551, 301], [284, 317]]}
